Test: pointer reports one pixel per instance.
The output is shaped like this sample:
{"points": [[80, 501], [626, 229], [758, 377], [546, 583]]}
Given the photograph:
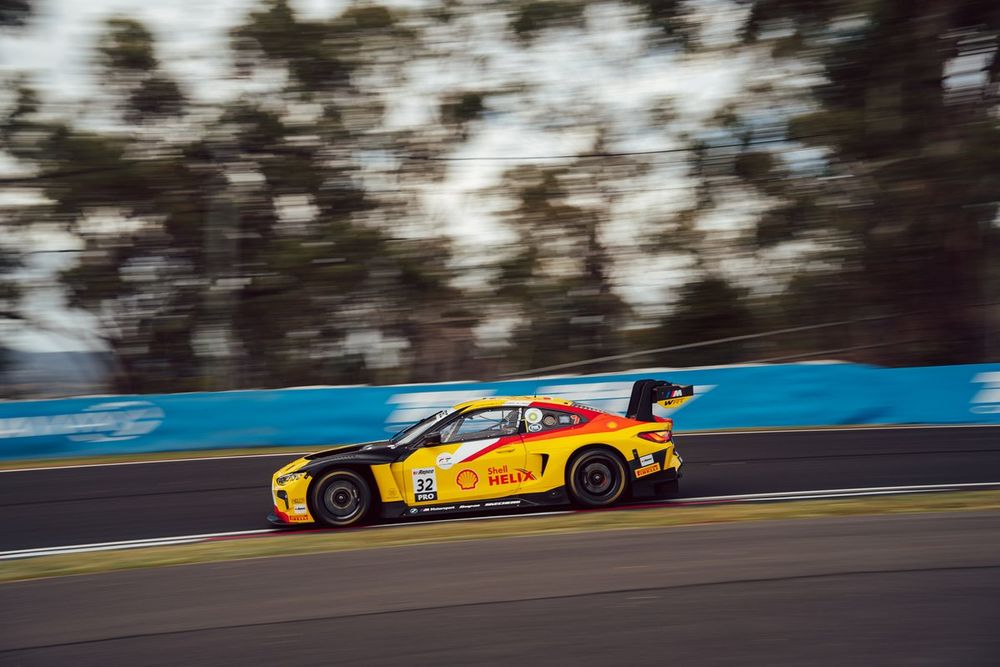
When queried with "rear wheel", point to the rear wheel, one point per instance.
{"points": [[596, 478], [340, 498]]}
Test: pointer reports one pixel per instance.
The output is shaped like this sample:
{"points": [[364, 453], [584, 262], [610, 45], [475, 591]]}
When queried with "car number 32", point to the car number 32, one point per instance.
{"points": [[424, 484]]}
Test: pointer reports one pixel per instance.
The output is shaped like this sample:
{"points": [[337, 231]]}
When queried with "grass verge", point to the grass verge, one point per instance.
{"points": [[426, 533]]}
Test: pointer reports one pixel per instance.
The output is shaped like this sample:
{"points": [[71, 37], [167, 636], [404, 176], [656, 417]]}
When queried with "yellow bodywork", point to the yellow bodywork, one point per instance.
{"points": [[674, 402], [535, 463]]}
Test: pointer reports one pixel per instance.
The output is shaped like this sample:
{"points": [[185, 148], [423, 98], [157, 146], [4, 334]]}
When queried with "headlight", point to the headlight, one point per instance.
{"points": [[290, 477]]}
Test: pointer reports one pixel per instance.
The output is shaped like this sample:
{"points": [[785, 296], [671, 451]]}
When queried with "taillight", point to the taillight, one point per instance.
{"points": [[656, 436]]}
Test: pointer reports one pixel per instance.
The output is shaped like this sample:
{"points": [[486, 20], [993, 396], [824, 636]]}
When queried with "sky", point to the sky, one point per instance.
{"points": [[605, 67]]}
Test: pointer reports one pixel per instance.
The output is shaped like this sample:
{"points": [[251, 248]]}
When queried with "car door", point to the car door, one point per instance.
{"points": [[479, 457]]}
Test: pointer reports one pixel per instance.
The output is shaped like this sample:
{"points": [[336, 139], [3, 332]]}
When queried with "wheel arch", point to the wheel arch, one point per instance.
{"points": [[364, 470], [579, 451], [598, 446], [361, 468]]}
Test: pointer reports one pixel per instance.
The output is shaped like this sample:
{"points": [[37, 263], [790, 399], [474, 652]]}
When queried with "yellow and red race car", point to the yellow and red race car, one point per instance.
{"points": [[488, 454]]}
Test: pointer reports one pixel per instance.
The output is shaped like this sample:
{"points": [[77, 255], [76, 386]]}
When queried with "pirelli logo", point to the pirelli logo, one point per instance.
{"points": [[647, 470]]}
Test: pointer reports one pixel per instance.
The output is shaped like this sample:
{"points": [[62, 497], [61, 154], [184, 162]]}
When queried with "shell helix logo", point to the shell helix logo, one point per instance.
{"points": [[467, 479], [987, 399], [101, 422], [502, 475]]}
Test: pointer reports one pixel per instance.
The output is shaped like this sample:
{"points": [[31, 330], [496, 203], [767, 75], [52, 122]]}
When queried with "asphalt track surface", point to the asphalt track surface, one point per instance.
{"points": [[53, 507], [881, 590]]}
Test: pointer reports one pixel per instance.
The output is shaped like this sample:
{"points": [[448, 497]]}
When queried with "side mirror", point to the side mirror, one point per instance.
{"points": [[432, 438]]}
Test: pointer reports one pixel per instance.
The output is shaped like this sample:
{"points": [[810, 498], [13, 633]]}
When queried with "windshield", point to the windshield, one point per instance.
{"points": [[414, 431]]}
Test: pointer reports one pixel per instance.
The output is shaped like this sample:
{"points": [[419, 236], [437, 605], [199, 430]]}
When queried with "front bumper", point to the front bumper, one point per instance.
{"points": [[289, 500], [279, 518]]}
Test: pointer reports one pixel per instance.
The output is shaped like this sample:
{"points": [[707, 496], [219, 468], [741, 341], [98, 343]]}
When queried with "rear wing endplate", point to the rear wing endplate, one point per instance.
{"points": [[673, 395], [647, 392]]}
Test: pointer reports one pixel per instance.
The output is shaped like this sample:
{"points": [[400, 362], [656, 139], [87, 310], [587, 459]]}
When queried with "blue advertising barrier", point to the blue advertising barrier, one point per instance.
{"points": [[808, 394]]}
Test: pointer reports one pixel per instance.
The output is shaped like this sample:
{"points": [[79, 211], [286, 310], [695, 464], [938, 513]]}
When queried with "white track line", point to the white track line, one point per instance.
{"points": [[128, 544], [746, 498], [681, 434], [91, 549]]}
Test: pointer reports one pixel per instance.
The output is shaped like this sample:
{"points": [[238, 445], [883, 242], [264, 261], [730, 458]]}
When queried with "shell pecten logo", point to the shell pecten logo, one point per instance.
{"points": [[467, 479]]}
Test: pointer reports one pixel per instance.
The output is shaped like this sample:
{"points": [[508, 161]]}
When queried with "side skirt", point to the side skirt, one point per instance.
{"points": [[556, 496]]}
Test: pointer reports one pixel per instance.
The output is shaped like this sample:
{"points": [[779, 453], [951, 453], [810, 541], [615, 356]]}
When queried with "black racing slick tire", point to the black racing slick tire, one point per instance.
{"points": [[340, 498], [596, 478]]}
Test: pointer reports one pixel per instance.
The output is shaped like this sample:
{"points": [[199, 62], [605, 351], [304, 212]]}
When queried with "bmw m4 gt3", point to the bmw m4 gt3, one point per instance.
{"points": [[488, 454]]}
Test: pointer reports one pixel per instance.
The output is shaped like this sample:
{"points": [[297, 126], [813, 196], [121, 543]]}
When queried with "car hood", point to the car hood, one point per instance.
{"points": [[368, 453]]}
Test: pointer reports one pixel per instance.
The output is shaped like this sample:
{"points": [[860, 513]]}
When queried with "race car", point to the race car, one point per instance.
{"points": [[489, 454]]}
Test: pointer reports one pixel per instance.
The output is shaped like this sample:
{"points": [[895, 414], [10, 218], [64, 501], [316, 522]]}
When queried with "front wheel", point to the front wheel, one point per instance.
{"points": [[340, 498], [596, 478]]}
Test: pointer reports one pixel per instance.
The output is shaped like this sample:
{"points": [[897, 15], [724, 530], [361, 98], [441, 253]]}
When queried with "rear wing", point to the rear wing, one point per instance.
{"points": [[647, 392]]}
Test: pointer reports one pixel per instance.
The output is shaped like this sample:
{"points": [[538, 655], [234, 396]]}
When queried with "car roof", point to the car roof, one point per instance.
{"points": [[520, 401]]}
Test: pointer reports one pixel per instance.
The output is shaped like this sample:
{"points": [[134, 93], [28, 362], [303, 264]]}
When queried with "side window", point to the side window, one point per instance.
{"points": [[490, 423], [539, 421]]}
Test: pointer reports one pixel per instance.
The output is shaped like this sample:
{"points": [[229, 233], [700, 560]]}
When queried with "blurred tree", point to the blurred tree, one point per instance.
{"points": [[671, 18], [162, 238], [127, 47], [437, 319], [461, 109], [272, 239], [133, 71], [9, 292], [15, 12], [363, 279], [707, 309], [558, 277], [902, 208], [530, 17], [309, 50], [235, 250]]}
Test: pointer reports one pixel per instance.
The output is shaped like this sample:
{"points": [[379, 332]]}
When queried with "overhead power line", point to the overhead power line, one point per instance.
{"points": [[838, 350], [705, 343], [731, 339]]}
